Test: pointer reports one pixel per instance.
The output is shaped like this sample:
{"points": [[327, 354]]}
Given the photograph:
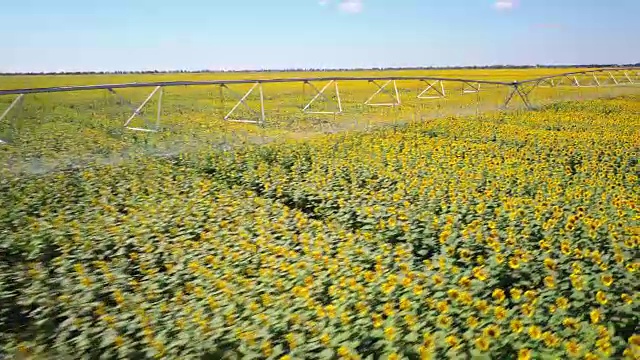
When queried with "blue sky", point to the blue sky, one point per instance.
{"points": [[72, 35]]}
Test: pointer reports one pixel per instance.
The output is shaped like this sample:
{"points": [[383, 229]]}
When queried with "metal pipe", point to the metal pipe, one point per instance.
{"points": [[318, 94], [338, 97], [382, 89], [159, 108], [11, 106], [263, 118], [281, 80], [577, 73], [241, 101], [137, 111]]}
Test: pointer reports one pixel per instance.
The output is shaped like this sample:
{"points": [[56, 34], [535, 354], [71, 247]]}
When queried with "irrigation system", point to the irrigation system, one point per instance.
{"points": [[434, 89]]}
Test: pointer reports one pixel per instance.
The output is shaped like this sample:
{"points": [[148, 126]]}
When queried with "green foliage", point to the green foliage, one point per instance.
{"points": [[495, 237]]}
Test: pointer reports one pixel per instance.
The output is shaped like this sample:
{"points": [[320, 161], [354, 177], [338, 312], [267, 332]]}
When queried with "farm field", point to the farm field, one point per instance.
{"points": [[59, 130], [497, 235]]}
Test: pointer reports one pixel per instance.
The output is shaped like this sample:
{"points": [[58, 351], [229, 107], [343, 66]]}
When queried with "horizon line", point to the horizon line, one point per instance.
{"points": [[310, 69]]}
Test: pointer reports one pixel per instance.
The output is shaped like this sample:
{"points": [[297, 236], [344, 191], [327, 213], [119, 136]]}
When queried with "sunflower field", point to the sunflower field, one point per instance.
{"points": [[505, 236]]}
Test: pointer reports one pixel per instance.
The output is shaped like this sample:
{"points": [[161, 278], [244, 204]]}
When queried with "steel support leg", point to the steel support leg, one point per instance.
{"points": [[473, 89], [242, 101], [523, 94], [510, 96], [432, 86], [573, 81], [262, 112], [525, 97], [550, 83], [159, 115], [139, 109], [321, 93], [11, 106], [382, 89], [576, 81], [15, 102]]}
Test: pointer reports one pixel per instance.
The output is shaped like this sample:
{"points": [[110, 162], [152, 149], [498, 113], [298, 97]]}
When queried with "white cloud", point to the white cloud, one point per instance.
{"points": [[504, 4], [351, 6]]}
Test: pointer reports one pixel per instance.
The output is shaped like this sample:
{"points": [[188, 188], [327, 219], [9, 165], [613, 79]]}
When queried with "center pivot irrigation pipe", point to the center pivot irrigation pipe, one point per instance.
{"points": [[520, 89]]}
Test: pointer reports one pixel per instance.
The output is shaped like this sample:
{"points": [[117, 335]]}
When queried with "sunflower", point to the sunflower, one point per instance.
{"points": [[482, 306], [601, 297], [572, 348], [444, 321], [390, 333], [562, 303], [428, 340], [528, 310], [590, 356], [571, 323], [464, 282], [405, 304], [480, 274], [472, 322], [498, 295], [410, 320], [491, 331], [388, 309], [549, 264], [325, 339], [343, 352], [515, 293], [530, 295], [442, 307], [482, 343], [549, 282], [377, 320], [516, 326], [606, 279], [535, 332], [452, 341], [550, 339], [604, 346], [524, 354]]}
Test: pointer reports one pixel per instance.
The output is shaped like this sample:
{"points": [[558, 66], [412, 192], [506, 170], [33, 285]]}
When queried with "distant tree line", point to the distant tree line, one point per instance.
{"points": [[319, 70]]}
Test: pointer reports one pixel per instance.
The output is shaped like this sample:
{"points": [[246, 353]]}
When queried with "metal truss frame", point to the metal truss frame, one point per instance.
{"points": [[573, 81], [523, 92], [519, 89], [137, 111], [321, 93], [615, 81], [16, 101], [382, 89], [468, 88], [549, 83], [587, 82], [441, 93], [595, 82], [606, 81], [56, 89], [242, 100]]}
